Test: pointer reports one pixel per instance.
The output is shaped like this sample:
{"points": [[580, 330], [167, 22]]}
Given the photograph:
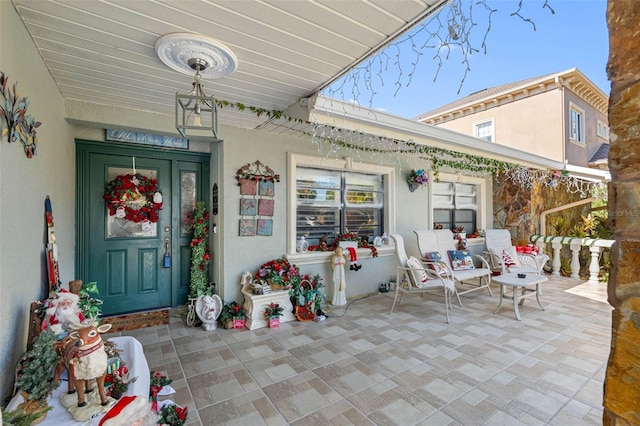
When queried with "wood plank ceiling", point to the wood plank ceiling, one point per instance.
{"points": [[103, 51]]}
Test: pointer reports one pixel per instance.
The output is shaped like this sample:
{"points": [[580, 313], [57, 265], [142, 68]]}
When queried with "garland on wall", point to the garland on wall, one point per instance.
{"points": [[329, 140]]}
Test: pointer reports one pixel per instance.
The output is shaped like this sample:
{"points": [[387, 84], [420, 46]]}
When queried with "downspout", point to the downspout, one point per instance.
{"points": [[563, 129], [543, 215]]}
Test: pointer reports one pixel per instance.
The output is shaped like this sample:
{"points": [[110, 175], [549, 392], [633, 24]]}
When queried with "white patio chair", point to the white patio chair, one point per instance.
{"points": [[413, 277], [441, 241], [502, 256]]}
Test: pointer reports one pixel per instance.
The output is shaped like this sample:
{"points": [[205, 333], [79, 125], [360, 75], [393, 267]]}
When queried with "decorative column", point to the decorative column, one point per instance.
{"points": [[621, 387]]}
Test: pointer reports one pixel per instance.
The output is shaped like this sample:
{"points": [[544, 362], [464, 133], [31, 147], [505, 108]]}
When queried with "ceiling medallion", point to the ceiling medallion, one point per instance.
{"points": [[176, 49]]}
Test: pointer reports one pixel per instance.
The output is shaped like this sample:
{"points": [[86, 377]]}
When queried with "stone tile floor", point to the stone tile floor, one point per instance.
{"points": [[364, 366]]}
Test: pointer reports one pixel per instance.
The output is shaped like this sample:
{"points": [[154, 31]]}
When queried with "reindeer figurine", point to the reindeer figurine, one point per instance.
{"points": [[85, 359]]}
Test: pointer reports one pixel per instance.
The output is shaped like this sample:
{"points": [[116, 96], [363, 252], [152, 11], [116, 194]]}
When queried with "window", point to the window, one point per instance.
{"points": [[336, 196], [576, 123], [602, 130], [331, 202], [455, 204], [484, 130]]}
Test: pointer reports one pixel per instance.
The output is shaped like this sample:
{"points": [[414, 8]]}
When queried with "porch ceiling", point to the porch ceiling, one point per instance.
{"points": [[103, 52]]}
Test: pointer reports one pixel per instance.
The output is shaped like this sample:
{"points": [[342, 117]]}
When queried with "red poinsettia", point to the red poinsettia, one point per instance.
{"points": [[133, 197]]}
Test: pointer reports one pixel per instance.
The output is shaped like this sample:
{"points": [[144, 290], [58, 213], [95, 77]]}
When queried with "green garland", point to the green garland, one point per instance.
{"points": [[200, 257], [439, 158]]}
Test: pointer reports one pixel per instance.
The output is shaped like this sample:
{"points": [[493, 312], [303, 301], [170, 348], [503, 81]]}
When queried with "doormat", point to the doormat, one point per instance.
{"points": [[138, 320]]}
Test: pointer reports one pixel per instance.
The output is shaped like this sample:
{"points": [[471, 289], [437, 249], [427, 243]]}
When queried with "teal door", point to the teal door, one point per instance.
{"points": [[138, 264]]}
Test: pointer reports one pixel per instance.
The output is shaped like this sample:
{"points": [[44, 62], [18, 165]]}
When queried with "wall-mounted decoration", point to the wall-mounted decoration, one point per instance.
{"points": [[258, 172], [247, 227], [267, 188], [265, 227], [146, 139], [417, 179], [258, 180], [248, 207], [265, 207], [247, 186], [133, 197], [13, 110], [214, 200]]}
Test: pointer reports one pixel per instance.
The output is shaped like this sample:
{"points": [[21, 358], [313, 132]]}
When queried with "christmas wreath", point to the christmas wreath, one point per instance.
{"points": [[133, 197]]}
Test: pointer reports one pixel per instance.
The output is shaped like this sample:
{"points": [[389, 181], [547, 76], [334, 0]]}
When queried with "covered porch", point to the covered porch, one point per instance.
{"points": [[365, 366]]}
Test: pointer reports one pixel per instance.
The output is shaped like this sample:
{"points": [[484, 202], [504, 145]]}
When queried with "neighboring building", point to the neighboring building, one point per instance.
{"points": [[560, 116]]}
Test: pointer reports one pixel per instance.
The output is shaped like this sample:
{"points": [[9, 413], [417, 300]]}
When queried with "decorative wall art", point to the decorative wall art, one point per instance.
{"points": [[248, 207], [267, 188], [247, 186], [265, 207], [247, 227], [18, 125], [258, 180], [265, 227]]}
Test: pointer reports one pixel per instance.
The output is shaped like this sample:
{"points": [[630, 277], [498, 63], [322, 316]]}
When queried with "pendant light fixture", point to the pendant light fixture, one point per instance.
{"points": [[196, 114]]}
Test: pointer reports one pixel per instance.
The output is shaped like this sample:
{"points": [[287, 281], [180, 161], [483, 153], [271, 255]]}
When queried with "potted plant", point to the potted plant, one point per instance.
{"points": [[272, 314], [173, 415], [417, 179], [232, 315], [458, 231], [307, 297], [279, 274]]}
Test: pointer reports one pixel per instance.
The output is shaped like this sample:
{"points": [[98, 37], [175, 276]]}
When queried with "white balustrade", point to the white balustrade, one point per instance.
{"points": [[575, 245]]}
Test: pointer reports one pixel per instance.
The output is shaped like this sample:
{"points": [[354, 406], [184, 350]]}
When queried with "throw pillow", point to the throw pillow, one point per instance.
{"points": [[435, 256], [417, 273], [461, 260], [507, 255]]}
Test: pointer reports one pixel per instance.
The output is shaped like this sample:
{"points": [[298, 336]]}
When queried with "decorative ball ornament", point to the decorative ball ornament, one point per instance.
{"points": [[133, 197]]}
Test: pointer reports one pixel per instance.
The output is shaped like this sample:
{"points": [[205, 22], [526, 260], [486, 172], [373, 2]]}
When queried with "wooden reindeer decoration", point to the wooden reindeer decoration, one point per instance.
{"points": [[84, 357]]}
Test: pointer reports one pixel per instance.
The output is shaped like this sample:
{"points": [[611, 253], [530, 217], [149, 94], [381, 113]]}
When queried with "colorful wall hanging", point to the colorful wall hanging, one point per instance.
{"points": [[19, 125], [257, 180]]}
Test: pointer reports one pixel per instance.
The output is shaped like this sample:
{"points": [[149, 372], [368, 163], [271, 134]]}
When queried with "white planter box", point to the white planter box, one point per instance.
{"points": [[255, 304]]}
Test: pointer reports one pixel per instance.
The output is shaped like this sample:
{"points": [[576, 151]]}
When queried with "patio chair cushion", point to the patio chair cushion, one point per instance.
{"points": [[435, 256], [507, 255], [417, 274], [461, 260]]}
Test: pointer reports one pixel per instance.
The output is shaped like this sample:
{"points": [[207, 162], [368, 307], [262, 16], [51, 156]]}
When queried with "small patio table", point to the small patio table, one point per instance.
{"points": [[519, 283]]}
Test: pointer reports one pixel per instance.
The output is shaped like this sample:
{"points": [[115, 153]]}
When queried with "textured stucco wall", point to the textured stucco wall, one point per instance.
{"points": [[24, 184]]}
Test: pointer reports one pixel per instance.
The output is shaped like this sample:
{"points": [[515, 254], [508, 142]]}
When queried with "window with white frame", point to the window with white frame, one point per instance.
{"points": [[576, 124], [458, 204], [484, 130], [337, 196], [602, 130]]}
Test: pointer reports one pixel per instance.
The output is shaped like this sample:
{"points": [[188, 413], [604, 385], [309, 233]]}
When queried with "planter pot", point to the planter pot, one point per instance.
{"points": [[32, 406], [305, 312], [227, 324], [238, 322], [274, 322]]}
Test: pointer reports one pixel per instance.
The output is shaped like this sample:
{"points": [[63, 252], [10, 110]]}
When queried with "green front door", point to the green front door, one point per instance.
{"points": [[138, 265]]}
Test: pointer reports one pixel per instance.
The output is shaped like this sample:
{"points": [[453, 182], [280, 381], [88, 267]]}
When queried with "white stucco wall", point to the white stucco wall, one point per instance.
{"points": [[24, 184]]}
